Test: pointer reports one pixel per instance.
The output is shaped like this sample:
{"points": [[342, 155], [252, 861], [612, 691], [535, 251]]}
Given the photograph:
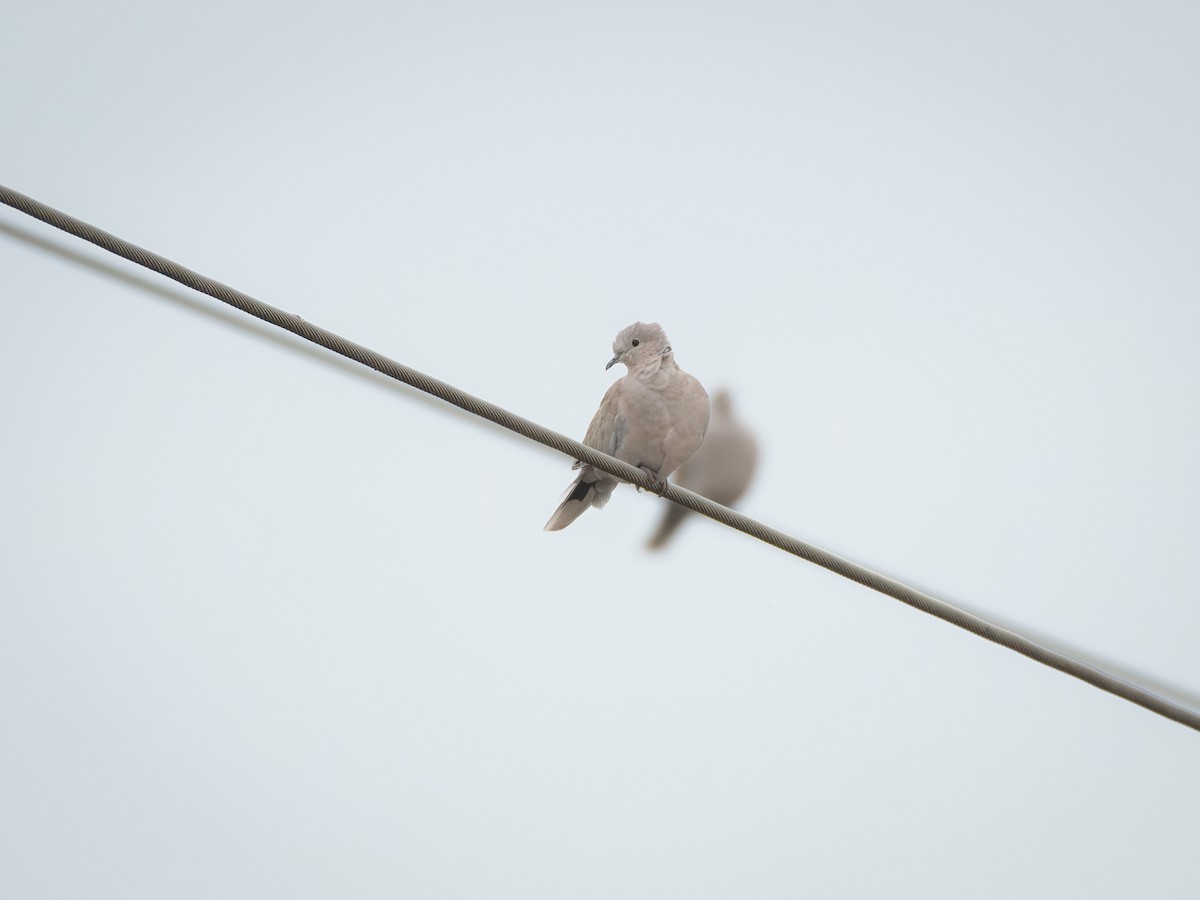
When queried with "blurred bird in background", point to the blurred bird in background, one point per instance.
{"points": [[720, 470]]}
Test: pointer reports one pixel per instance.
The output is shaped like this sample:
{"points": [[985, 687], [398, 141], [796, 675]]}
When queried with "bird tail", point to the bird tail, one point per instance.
{"points": [[586, 490], [673, 517]]}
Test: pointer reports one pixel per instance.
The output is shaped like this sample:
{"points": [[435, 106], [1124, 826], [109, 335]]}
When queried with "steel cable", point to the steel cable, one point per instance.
{"points": [[866, 577]]}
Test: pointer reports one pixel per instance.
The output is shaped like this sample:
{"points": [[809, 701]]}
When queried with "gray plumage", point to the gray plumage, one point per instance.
{"points": [[720, 470], [654, 417]]}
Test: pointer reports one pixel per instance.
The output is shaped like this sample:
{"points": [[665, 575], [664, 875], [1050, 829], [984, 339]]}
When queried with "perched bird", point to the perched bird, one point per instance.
{"points": [[654, 417], [720, 470]]}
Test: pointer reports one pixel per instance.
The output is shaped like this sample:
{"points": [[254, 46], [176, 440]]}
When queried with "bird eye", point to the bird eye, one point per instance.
{"points": [[636, 342]]}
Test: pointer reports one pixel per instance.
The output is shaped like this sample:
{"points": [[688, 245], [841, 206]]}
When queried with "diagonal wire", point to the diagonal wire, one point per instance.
{"points": [[889, 586]]}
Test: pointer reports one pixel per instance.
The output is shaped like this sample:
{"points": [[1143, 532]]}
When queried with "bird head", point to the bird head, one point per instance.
{"points": [[639, 344]]}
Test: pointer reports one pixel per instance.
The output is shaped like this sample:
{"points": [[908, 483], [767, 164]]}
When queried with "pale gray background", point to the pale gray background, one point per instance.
{"points": [[273, 627]]}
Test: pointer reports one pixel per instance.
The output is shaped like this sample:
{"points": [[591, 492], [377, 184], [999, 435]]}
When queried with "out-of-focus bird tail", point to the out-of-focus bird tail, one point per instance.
{"points": [[673, 517]]}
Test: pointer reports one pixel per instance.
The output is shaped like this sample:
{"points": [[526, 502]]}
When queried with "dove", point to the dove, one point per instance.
{"points": [[720, 470], [654, 417]]}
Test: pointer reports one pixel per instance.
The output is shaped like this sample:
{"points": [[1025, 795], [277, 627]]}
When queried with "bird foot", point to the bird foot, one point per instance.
{"points": [[658, 486]]}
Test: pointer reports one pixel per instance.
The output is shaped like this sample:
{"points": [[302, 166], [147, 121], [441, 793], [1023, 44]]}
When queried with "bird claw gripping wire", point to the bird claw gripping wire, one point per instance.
{"points": [[657, 485]]}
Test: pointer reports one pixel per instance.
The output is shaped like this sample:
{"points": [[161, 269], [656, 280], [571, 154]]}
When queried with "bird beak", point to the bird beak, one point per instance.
{"points": [[612, 362]]}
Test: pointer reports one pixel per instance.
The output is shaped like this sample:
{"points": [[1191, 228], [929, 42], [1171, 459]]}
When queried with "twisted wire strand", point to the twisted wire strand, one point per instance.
{"points": [[1090, 674]]}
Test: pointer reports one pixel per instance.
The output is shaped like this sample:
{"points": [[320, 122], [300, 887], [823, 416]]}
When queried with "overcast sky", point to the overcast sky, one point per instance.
{"points": [[274, 626]]}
